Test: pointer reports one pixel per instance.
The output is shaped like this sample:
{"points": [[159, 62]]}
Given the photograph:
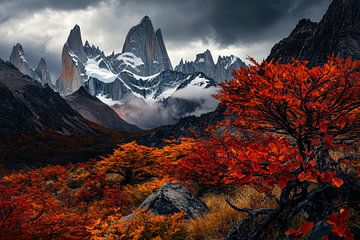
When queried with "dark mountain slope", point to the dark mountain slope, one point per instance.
{"points": [[96, 111], [337, 33], [26, 106]]}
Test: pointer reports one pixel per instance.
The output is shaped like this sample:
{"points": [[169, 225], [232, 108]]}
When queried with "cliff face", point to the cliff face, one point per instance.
{"points": [[337, 33], [292, 46], [73, 61], [149, 46], [165, 56]]}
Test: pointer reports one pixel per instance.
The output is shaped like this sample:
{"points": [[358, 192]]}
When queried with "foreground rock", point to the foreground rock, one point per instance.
{"points": [[172, 198]]}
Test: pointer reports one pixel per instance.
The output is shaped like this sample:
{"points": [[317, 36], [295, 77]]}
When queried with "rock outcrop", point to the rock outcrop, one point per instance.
{"points": [[337, 33], [172, 198]]}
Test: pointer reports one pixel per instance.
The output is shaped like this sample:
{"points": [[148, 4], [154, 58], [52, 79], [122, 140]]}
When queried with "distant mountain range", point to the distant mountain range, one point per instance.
{"points": [[140, 82]]}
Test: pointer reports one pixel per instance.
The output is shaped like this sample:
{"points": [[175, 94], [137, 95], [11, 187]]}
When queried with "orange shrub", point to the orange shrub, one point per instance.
{"points": [[142, 225]]}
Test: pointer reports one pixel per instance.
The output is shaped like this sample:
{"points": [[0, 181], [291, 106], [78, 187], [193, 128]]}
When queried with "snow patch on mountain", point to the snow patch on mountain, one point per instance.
{"points": [[108, 101], [130, 59], [93, 69]]}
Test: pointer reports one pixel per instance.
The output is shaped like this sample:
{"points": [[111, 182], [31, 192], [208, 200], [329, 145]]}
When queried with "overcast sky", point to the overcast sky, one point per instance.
{"points": [[239, 27]]}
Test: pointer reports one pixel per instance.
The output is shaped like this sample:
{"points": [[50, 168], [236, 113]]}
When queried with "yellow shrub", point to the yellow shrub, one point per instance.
{"points": [[221, 217]]}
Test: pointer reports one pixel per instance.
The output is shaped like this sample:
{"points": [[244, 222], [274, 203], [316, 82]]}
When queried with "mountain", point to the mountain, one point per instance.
{"points": [[139, 82], [337, 33], [73, 64], [92, 109], [26, 106], [149, 102], [204, 63], [18, 59], [225, 66], [149, 46]]}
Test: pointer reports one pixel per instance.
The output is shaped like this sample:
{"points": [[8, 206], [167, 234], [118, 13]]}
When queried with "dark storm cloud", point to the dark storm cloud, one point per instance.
{"points": [[226, 22], [29, 5]]}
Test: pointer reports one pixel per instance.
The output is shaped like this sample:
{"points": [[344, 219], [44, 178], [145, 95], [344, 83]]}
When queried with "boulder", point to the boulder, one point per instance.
{"points": [[172, 198]]}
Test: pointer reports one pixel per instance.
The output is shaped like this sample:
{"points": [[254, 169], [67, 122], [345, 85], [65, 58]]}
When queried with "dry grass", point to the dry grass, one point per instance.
{"points": [[218, 222]]}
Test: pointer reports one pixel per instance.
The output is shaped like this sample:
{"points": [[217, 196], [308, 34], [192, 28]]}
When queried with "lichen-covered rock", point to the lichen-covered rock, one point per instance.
{"points": [[172, 198]]}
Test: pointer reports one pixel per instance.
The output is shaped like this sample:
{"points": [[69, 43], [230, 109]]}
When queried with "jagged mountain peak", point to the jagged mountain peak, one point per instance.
{"points": [[204, 63], [18, 51], [75, 31], [43, 73], [18, 59], [149, 46], [158, 31], [337, 33], [205, 57], [87, 44], [42, 63], [145, 19], [74, 43], [18, 48]]}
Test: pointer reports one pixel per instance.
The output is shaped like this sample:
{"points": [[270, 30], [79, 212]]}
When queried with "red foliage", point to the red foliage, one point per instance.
{"points": [[338, 225], [314, 106], [283, 121], [303, 229]]}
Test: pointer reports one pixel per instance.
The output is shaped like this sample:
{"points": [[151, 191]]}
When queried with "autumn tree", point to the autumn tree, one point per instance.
{"points": [[284, 123], [134, 162]]}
